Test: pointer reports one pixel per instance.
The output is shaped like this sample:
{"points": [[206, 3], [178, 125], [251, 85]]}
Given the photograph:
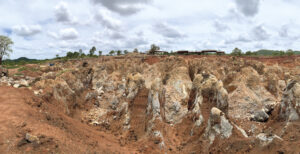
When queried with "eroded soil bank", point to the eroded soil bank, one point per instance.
{"points": [[142, 104]]}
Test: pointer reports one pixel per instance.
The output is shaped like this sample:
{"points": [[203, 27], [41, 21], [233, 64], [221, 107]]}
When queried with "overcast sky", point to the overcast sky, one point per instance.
{"points": [[44, 28]]}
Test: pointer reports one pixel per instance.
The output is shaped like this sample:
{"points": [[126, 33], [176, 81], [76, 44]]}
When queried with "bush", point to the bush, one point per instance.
{"points": [[237, 52]]}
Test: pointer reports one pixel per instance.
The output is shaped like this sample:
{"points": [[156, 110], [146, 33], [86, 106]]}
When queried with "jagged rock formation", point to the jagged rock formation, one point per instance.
{"points": [[290, 104], [174, 104], [218, 125]]}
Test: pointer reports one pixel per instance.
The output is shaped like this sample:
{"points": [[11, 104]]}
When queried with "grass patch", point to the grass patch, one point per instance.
{"points": [[11, 67], [28, 68], [62, 72], [18, 74]]}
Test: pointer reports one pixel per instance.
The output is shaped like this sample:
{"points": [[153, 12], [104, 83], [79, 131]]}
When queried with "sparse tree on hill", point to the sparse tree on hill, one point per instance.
{"points": [[248, 53], [236, 52], [119, 52], [5, 47], [290, 52], [112, 52], [125, 52], [100, 53], [281, 53], [92, 51], [135, 50], [57, 56], [153, 48]]}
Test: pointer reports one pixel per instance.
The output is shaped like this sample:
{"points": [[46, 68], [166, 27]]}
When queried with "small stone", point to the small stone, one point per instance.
{"points": [[260, 116], [31, 138], [16, 85]]}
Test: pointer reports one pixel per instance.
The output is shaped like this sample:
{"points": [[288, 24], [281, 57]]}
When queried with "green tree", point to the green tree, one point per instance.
{"points": [[135, 50], [119, 52], [5, 47], [72, 54], [236, 52], [153, 48], [249, 53], [100, 53], [92, 51], [281, 53], [125, 52], [112, 52], [290, 52], [80, 52], [57, 56]]}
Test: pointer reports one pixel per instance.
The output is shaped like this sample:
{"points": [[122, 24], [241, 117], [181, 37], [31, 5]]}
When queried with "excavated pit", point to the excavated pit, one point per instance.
{"points": [[138, 109], [153, 104]]}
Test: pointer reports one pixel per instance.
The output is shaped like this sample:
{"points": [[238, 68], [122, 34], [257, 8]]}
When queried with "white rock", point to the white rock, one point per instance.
{"points": [[16, 85]]}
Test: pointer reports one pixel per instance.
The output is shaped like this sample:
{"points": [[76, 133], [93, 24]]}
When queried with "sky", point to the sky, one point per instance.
{"points": [[43, 28]]}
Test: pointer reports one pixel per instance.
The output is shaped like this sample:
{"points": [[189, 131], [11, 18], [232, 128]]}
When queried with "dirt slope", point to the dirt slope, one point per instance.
{"points": [[154, 104], [57, 133]]}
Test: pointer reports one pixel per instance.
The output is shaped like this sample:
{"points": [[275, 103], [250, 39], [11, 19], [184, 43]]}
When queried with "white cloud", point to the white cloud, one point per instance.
{"points": [[64, 34], [123, 7], [193, 25], [248, 7], [27, 30], [167, 30], [68, 34], [106, 20], [259, 33], [283, 32], [62, 14], [244, 38], [220, 26]]}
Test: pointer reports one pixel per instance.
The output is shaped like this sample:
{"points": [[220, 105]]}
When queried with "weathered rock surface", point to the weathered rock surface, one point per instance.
{"points": [[218, 125], [290, 104]]}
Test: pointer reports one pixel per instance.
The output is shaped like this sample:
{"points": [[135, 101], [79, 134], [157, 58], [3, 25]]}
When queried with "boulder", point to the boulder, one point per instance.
{"points": [[260, 116], [209, 87], [290, 103], [3, 72], [16, 85], [176, 95], [265, 139], [218, 125], [31, 138]]}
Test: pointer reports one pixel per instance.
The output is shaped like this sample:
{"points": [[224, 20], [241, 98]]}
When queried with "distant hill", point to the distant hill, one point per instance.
{"points": [[265, 52], [21, 59]]}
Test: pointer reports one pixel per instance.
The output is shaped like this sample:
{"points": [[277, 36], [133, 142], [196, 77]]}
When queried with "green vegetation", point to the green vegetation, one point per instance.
{"points": [[237, 52], [92, 51], [28, 68], [153, 48], [18, 74], [264, 52], [17, 63], [5, 47], [62, 72]]}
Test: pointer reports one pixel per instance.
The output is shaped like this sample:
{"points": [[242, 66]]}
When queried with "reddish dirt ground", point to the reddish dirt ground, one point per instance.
{"points": [[57, 132], [22, 112]]}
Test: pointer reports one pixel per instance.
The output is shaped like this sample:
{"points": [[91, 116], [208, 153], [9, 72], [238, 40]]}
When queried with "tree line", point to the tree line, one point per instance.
{"points": [[92, 53], [264, 52]]}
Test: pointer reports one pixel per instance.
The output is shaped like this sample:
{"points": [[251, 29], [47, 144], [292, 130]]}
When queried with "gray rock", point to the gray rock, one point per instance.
{"points": [[290, 104], [267, 139], [16, 85], [114, 103], [31, 138], [218, 125], [260, 116]]}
